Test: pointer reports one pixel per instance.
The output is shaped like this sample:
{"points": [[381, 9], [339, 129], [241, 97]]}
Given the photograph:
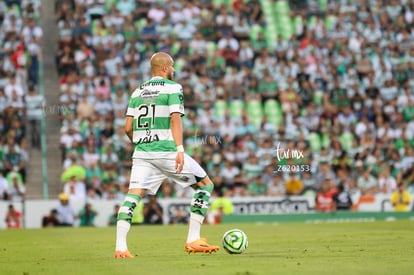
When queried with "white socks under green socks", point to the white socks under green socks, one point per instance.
{"points": [[126, 211], [198, 207]]}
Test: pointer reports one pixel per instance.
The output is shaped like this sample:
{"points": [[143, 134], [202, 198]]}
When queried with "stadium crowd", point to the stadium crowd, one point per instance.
{"points": [[337, 90], [20, 103]]}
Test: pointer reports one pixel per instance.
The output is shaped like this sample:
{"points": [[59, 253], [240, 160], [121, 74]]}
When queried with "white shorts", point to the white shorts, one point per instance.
{"points": [[150, 173]]}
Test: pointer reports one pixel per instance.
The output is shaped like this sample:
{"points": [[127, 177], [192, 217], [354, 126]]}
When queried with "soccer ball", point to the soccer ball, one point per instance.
{"points": [[235, 241]]}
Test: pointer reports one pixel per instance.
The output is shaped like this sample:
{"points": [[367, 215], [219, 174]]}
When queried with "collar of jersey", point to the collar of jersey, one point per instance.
{"points": [[157, 77]]}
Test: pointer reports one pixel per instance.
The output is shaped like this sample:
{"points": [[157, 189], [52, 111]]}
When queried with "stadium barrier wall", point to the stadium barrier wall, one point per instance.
{"points": [[245, 208], [334, 217]]}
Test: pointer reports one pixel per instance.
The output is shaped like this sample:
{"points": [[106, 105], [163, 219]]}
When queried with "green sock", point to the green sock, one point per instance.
{"points": [[199, 203], [126, 211]]}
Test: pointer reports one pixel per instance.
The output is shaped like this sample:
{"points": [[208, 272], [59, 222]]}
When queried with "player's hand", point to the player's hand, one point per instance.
{"points": [[179, 162]]}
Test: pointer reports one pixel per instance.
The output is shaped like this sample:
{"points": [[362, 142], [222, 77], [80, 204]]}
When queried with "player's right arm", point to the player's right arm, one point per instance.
{"points": [[129, 120], [128, 127]]}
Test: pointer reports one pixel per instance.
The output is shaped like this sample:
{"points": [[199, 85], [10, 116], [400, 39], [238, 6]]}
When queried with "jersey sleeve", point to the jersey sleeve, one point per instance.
{"points": [[130, 110], [176, 100]]}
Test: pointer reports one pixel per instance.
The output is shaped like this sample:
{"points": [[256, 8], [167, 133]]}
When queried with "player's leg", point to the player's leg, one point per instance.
{"points": [[144, 178], [193, 175], [198, 210], [124, 219], [199, 206]]}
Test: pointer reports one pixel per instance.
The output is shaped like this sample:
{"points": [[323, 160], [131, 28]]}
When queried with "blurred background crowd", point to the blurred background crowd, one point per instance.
{"points": [[20, 103], [330, 80]]}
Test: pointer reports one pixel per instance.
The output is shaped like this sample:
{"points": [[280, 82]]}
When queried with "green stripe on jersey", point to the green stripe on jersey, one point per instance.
{"points": [[159, 146]]}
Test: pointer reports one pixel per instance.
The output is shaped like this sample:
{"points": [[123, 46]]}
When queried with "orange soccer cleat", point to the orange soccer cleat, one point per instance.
{"points": [[200, 245], [123, 255]]}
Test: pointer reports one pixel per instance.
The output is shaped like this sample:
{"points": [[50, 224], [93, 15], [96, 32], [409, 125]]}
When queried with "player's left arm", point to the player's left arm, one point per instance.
{"points": [[177, 128], [176, 106], [177, 133]]}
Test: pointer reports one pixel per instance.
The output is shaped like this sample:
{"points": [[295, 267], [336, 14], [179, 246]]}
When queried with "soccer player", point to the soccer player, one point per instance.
{"points": [[153, 124]]}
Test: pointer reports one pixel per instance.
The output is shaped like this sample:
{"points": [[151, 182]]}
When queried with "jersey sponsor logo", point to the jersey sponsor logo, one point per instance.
{"points": [[148, 139], [148, 94], [152, 83]]}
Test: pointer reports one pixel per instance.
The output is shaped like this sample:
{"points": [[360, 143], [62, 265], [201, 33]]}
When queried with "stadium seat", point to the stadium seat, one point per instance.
{"points": [[283, 20], [218, 3], [297, 23], [330, 21], [346, 140], [179, 64], [318, 97], [275, 118], [285, 26], [272, 108], [254, 31], [311, 21], [236, 108], [94, 26], [282, 7], [211, 47], [285, 32], [109, 3], [268, 10], [326, 140], [229, 4], [271, 34], [175, 48], [323, 4], [314, 142], [255, 112], [266, 5], [220, 107]]}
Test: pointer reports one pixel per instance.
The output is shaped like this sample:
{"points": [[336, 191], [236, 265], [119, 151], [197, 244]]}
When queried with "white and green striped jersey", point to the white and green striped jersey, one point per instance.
{"points": [[252, 170], [151, 105], [34, 105]]}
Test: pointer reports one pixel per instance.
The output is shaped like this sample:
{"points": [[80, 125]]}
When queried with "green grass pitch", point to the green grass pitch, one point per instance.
{"points": [[287, 248]]}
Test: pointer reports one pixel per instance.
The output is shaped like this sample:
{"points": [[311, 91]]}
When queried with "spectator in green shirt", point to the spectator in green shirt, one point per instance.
{"points": [[113, 218], [256, 187], [268, 87], [87, 215]]}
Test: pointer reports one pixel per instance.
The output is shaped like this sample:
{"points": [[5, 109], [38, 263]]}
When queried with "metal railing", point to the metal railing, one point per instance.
{"points": [[45, 186]]}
